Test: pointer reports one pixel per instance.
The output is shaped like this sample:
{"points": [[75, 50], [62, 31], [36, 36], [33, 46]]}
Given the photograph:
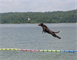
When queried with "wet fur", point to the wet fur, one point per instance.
{"points": [[46, 29]]}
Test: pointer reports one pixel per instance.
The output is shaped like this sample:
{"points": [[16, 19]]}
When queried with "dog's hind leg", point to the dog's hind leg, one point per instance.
{"points": [[56, 36]]}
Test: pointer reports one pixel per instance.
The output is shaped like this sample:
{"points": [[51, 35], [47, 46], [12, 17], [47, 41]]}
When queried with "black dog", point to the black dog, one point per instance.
{"points": [[46, 29]]}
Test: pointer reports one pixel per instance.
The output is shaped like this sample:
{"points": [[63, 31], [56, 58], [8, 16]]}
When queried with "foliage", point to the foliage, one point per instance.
{"points": [[38, 17]]}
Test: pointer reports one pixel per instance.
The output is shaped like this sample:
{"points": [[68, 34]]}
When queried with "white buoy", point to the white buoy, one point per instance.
{"points": [[28, 19]]}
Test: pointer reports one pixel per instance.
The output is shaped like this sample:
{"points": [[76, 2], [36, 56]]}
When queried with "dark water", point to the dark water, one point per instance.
{"points": [[29, 36]]}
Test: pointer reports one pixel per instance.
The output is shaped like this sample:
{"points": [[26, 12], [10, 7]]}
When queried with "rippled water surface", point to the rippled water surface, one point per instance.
{"points": [[29, 36]]}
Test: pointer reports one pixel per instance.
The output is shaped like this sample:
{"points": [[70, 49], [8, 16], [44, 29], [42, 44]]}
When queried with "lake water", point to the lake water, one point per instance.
{"points": [[29, 36]]}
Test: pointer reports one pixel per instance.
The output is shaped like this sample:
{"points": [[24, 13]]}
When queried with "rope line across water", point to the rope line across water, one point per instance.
{"points": [[28, 50]]}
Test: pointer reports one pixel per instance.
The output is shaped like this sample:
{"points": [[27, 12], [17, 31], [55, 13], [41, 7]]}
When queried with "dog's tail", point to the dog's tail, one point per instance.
{"points": [[57, 32]]}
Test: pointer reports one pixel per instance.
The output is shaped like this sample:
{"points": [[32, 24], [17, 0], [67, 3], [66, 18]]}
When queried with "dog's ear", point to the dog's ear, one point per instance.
{"points": [[41, 23]]}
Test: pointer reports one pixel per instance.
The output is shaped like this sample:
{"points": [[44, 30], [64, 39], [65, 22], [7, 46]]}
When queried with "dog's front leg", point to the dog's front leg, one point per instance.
{"points": [[42, 31]]}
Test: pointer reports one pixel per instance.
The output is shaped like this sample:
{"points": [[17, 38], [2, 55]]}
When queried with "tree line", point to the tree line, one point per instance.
{"points": [[38, 17]]}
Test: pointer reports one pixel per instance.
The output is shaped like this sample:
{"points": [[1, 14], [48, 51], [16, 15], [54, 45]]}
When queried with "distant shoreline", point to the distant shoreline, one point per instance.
{"points": [[37, 17], [37, 23]]}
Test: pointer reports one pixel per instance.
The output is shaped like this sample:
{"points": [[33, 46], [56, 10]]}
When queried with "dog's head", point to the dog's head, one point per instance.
{"points": [[40, 24]]}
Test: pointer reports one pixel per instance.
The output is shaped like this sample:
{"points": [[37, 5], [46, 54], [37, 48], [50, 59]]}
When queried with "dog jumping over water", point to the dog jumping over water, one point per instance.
{"points": [[46, 29]]}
